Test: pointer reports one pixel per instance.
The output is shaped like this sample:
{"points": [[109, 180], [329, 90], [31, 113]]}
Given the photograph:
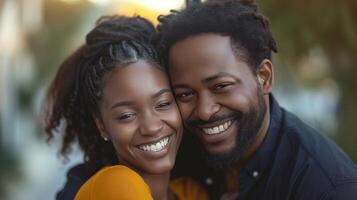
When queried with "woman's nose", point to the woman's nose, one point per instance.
{"points": [[151, 124]]}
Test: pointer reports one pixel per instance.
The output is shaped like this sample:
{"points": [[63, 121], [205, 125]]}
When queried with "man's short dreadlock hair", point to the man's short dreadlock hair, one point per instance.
{"points": [[249, 31]]}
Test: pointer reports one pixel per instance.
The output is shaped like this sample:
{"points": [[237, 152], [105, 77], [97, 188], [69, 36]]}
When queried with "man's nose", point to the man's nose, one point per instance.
{"points": [[206, 107], [150, 124]]}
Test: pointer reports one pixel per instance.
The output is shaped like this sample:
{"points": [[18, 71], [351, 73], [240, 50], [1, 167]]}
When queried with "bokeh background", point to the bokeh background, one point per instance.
{"points": [[315, 75]]}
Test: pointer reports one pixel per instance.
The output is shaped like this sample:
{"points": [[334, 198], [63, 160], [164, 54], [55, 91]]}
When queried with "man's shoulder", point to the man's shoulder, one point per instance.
{"points": [[78, 172], [311, 165], [76, 177], [316, 157]]}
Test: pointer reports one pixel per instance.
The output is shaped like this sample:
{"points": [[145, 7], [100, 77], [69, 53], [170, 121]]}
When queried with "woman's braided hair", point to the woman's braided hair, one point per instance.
{"points": [[73, 98]]}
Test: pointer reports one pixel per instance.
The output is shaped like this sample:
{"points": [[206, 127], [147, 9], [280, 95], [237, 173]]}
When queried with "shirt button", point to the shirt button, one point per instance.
{"points": [[255, 174], [209, 181]]}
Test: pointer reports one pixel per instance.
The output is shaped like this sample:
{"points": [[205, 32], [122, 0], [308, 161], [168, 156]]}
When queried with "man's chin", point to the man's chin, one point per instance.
{"points": [[219, 149], [220, 160]]}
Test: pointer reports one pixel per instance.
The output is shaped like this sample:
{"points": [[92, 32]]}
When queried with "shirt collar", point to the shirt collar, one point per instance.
{"points": [[264, 156]]}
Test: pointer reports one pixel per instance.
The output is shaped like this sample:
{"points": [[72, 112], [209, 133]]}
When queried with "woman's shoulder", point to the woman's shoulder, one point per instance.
{"points": [[186, 188], [124, 182]]}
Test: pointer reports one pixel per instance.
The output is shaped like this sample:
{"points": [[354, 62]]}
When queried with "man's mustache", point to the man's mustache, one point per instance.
{"points": [[214, 118]]}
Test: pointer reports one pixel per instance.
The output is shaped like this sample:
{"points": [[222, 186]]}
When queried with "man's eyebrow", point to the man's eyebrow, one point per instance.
{"points": [[174, 86], [216, 76], [162, 91], [206, 80], [122, 103]]}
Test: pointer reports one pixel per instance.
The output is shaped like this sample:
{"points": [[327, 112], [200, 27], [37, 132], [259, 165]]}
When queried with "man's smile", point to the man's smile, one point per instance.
{"points": [[218, 128]]}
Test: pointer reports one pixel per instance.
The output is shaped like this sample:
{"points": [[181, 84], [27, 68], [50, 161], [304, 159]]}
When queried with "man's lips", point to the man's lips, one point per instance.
{"points": [[216, 132], [217, 129]]}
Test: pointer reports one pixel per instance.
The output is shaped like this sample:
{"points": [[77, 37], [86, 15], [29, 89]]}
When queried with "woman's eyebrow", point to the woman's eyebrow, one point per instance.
{"points": [[160, 92], [123, 103]]}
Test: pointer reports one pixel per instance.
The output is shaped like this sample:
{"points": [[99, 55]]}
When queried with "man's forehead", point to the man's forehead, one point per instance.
{"points": [[196, 42], [201, 50]]}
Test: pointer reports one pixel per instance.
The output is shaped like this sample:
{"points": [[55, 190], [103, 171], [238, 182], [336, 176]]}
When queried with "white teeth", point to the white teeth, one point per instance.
{"points": [[217, 129], [225, 125], [153, 147], [156, 146]]}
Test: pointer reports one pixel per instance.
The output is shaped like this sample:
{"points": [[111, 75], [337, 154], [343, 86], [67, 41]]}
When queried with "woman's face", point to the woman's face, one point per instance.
{"points": [[140, 117]]}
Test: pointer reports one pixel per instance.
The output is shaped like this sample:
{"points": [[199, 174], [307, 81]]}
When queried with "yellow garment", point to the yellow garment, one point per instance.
{"points": [[121, 183], [114, 183], [187, 189]]}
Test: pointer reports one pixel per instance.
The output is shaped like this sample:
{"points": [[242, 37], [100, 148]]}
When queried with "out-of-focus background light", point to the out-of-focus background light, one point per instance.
{"points": [[100, 2], [158, 5], [71, 1]]}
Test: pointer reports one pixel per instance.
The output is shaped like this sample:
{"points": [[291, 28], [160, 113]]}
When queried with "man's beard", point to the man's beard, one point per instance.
{"points": [[249, 125]]}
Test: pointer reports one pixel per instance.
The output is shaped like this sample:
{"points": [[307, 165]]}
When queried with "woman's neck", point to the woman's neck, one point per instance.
{"points": [[159, 185]]}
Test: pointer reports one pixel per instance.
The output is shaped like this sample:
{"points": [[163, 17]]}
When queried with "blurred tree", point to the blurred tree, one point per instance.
{"points": [[302, 25], [9, 171], [51, 44]]}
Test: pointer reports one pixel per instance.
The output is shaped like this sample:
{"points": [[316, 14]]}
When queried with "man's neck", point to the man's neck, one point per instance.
{"points": [[263, 131], [233, 185]]}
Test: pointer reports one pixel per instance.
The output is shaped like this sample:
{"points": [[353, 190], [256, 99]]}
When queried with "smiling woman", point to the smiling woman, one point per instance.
{"points": [[115, 99], [140, 117]]}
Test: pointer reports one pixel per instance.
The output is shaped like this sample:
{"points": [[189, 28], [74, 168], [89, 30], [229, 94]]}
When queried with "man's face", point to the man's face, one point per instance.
{"points": [[219, 97]]}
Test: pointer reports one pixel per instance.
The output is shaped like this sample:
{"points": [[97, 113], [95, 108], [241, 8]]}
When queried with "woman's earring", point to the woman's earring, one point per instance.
{"points": [[261, 81], [105, 139]]}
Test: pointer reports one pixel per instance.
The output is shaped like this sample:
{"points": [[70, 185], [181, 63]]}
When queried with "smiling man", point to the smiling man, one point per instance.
{"points": [[218, 95], [242, 144], [218, 55]]}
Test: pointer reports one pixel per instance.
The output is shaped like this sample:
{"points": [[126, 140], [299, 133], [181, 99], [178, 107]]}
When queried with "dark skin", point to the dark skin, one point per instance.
{"points": [[211, 82], [137, 114]]}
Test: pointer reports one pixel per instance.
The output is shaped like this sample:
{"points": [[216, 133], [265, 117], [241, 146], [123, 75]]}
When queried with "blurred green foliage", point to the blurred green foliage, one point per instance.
{"points": [[50, 45], [302, 25], [9, 171]]}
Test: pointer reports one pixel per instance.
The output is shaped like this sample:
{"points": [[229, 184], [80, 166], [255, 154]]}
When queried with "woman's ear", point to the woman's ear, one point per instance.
{"points": [[100, 126], [265, 76]]}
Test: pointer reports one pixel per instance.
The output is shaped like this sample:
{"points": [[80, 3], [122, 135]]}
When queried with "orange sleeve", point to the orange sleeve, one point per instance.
{"points": [[113, 183], [187, 189]]}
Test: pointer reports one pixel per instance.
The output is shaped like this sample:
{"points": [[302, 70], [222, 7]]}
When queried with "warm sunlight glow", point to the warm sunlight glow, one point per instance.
{"points": [[158, 5], [71, 1], [101, 2], [149, 9]]}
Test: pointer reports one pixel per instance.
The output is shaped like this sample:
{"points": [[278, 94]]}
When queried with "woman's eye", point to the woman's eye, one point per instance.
{"points": [[164, 104], [126, 116]]}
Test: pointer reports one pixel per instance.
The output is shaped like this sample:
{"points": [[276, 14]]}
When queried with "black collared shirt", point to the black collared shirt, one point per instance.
{"points": [[295, 161]]}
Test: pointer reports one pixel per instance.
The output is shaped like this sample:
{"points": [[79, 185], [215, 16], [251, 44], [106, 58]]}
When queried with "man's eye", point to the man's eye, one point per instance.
{"points": [[222, 86], [184, 96]]}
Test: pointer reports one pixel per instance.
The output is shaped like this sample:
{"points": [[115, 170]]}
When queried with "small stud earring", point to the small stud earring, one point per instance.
{"points": [[105, 139]]}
